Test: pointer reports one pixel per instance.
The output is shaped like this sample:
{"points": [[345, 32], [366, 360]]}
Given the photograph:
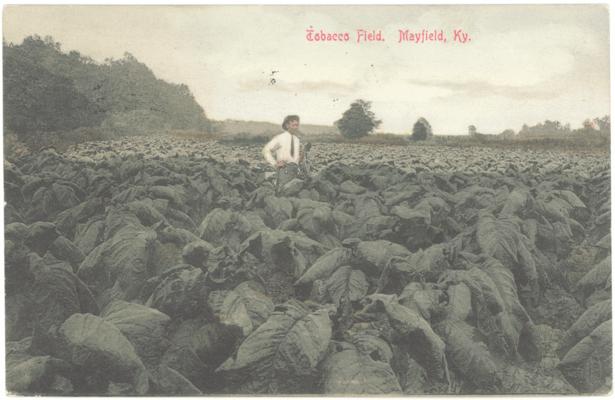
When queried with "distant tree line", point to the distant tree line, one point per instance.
{"points": [[554, 129], [359, 121], [550, 128], [47, 90]]}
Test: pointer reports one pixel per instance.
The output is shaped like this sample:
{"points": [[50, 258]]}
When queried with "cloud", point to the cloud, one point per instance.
{"points": [[483, 88], [524, 63], [272, 83]]}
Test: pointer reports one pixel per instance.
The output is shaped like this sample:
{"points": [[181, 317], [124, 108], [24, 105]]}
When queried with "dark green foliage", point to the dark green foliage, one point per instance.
{"points": [[546, 128], [36, 99], [507, 133], [421, 130], [349, 371], [358, 120], [590, 126], [465, 271], [47, 90], [603, 124]]}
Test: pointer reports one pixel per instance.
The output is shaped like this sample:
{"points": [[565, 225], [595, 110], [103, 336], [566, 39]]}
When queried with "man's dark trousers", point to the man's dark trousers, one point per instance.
{"points": [[285, 174]]}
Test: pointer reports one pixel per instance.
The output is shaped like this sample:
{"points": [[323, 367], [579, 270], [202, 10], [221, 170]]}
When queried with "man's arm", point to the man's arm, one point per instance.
{"points": [[267, 150]]}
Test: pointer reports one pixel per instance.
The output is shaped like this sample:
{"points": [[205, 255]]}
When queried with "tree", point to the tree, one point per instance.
{"points": [[589, 125], [358, 120], [507, 133], [603, 124], [48, 90], [547, 129], [421, 130], [37, 100]]}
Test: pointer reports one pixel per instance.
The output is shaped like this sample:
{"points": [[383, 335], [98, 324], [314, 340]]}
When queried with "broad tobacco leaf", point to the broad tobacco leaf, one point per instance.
{"points": [[350, 371], [346, 283], [326, 264], [414, 334], [246, 307], [468, 356], [143, 326], [500, 238], [290, 344], [374, 255], [584, 325], [93, 345], [598, 277], [588, 364]]}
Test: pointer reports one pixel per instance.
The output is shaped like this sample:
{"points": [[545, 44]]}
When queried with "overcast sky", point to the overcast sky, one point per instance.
{"points": [[523, 64]]}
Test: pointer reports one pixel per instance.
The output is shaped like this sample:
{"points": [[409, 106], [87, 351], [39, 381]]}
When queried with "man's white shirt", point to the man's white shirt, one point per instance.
{"points": [[278, 149]]}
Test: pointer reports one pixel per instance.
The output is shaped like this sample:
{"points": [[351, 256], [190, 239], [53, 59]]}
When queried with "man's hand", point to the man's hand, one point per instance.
{"points": [[280, 164]]}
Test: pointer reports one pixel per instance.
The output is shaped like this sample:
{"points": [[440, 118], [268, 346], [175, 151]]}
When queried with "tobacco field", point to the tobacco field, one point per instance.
{"points": [[159, 266]]}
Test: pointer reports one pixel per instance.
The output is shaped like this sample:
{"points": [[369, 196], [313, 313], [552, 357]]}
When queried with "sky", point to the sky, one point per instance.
{"points": [[519, 63]]}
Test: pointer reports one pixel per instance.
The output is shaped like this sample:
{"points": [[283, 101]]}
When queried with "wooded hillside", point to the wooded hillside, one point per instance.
{"points": [[47, 90]]}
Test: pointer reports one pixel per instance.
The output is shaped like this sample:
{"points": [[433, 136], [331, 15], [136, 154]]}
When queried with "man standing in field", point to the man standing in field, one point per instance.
{"points": [[284, 152]]}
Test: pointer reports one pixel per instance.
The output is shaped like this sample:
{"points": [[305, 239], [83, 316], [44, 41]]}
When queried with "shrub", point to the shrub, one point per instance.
{"points": [[358, 120], [421, 130]]}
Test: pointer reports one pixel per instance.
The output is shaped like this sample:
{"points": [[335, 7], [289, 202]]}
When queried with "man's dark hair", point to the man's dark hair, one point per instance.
{"points": [[288, 119]]}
